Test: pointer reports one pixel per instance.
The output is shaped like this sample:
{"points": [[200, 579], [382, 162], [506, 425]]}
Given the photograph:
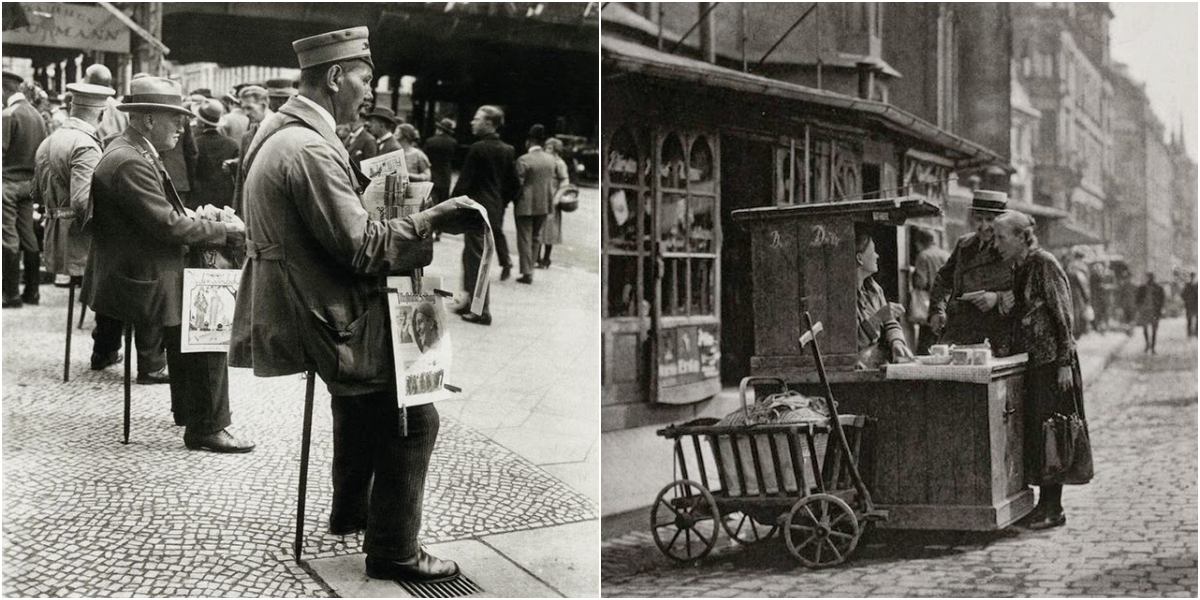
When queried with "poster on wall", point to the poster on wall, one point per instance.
{"points": [[209, 296], [420, 340]]}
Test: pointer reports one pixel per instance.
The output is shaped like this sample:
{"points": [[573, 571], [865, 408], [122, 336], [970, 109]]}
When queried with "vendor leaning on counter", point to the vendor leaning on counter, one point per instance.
{"points": [[880, 337], [972, 293]]}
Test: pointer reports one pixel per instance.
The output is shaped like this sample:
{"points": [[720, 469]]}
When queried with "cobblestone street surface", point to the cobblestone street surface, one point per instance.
{"points": [[1131, 532], [85, 515]]}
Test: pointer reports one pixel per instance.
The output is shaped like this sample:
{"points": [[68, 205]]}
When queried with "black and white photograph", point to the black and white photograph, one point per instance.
{"points": [[145, 138], [944, 259]]}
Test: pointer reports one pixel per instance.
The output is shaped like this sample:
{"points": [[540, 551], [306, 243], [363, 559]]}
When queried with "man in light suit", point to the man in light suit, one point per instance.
{"points": [[361, 144], [536, 170], [135, 268]]}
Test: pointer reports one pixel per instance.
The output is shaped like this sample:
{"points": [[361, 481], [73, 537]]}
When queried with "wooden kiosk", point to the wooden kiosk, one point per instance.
{"points": [[944, 454]]}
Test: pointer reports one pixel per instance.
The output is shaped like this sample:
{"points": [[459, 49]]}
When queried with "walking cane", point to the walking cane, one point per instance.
{"points": [[70, 320], [128, 377], [306, 441], [82, 313]]}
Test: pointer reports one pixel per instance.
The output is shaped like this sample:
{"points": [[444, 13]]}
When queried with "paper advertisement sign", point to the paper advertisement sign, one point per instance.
{"points": [[420, 340], [209, 296]]}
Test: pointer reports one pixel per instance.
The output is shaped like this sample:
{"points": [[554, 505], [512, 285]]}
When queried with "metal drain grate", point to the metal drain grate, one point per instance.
{"points": [[445, 589]]}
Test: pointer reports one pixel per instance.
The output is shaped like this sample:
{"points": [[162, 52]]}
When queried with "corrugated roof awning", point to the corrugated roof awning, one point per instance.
{"points": [[1037, 210], [1062, 233], [635, 58]]}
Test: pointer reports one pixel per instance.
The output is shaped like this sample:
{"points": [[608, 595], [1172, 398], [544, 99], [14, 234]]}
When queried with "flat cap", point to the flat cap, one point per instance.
{"points": [[280, 88], [90, 95], [344, 44]]}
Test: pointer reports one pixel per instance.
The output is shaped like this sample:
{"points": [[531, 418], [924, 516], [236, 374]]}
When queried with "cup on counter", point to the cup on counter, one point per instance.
{"points": [[961, 356], [981, 356], [939, 350]]}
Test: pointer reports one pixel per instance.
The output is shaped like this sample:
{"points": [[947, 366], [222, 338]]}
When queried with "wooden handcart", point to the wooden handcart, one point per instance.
{"points": [[799, 477]]}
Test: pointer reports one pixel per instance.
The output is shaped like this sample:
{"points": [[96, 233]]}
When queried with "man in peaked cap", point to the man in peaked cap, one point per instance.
{"points": [[24, 130], [310, 299], [972, 292], [279, 91], [135, 269]]}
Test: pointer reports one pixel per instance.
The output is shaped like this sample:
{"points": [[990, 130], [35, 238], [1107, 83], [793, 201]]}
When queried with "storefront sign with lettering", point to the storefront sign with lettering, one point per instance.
{"points": [[74, 26]]}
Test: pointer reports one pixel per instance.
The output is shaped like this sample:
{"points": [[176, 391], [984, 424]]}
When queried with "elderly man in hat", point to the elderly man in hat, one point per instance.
{"points": [[113, 121], [135, 270], [381, 122], [972, 292], [279, 91], [24, 130], [62, 180], [216, 154], [311, 297], [537, 170]]}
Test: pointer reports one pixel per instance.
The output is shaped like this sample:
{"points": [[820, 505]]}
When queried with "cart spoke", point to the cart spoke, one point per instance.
{"points": [[667, 524], [673, 538], [807, 541], [742, 523], [702, 538], [841, 535], [833, 546], [819, 545], [811, 515], [687, 534], [841, 517]]}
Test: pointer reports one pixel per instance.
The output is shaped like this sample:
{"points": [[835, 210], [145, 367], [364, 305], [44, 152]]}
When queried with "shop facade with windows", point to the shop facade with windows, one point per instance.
{"points": [[685, 143]]}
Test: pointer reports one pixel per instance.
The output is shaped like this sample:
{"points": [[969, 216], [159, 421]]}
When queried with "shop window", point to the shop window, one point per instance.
{"points": [[627, 210]]}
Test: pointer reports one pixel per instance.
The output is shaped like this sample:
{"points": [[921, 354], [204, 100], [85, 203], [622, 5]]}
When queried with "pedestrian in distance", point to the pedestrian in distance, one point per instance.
{"points": [[414, 157], [1150, 299], [1081, 290], [537, 171], [488, 176], [360, 144], [1188, 295], [140, 228], [440, 149], [552, 230], [381, 123], [930, 259], [217, 157], [1053, 383], [279, 91], [964, 306], [24, 130], [311, 295]]}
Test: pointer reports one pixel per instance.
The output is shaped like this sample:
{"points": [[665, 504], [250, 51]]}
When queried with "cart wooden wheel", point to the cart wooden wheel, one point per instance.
{"points": [[821, 530], [685, 521], [746, 530]]}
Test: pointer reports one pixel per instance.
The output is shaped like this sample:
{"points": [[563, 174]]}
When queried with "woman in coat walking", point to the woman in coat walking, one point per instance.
{"points": [[552, 231], [1054, 387]]}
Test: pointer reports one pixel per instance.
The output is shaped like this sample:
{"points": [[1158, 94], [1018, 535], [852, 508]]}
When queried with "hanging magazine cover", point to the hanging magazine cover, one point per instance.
{"points": [[209, 296], [420, 340]]}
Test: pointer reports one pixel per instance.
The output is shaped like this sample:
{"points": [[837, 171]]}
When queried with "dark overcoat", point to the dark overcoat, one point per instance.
{"points": [[214, 184], [972, 266], [139, 236], [489, 175], [310, 293]]}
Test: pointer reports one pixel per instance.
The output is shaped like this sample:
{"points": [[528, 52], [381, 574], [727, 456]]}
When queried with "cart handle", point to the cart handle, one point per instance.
{"points": [[811, 334], [746, 382]]}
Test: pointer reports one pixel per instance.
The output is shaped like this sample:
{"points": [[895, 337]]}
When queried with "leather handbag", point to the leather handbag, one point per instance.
{"points": [[1068, 450]]}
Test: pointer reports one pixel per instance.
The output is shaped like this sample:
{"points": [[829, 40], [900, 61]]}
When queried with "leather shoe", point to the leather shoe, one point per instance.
{"points": [[103, 361], [422, 568], [31, 299], [464, 309], [527, 279], [349, 528], [484, 319], [221, 441], [159, 376], [1049, 520], [505, 273], [12, 302]]}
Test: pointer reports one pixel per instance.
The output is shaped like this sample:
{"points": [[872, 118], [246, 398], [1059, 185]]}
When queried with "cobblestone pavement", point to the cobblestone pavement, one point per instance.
{"points": [[1131, 532], [85, 515]]}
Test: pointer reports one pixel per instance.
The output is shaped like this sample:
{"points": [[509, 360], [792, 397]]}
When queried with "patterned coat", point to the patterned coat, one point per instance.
{"points": [[63, 172], [1042, 310]]}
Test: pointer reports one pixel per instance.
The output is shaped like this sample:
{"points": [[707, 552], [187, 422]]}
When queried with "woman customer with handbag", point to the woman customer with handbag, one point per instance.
{"points": [[552, 230], [1057, 448]]}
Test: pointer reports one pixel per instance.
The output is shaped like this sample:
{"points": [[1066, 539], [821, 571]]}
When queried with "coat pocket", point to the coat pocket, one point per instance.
{"points": [[351, 348], [128, 299]]}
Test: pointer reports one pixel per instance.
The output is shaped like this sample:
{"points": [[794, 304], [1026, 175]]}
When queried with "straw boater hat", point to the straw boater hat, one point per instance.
{"points": [[154, 94], [989, 201], [344, 44], [280, 88], [89, 95], [209, 112], [13, 76]]}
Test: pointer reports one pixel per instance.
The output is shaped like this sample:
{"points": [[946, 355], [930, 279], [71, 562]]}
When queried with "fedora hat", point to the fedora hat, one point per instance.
{"points": [[989, 201], [382, 112], [89, 95], [154, 94], [209, 112], [13, 76], [447, 125]]}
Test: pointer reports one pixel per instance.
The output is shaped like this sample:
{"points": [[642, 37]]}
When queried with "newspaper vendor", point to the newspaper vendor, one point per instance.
{"points": [[880, 338], [310, 295]]}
